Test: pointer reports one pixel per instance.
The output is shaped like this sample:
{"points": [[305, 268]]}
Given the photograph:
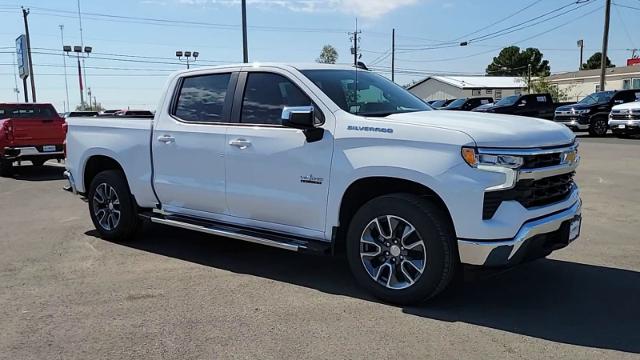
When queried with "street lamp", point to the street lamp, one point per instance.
{"points": [[187, 55], [79, 52]]}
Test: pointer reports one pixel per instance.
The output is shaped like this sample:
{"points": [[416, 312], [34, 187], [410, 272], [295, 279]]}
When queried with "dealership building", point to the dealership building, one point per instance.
{"points": [[455, 87], [579, 84]]}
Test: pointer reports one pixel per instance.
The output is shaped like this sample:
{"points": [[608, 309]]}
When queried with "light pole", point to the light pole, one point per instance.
{"points": [[80, 53], [187, 55], [64, 61]]}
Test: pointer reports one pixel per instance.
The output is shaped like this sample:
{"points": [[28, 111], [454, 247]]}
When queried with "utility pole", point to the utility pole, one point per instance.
{"points": [[84, 69], [581, 46], [25, 13], [64, 61], [605, 44], [355, 36], [245, 49], [529, 76], [393, 54]]}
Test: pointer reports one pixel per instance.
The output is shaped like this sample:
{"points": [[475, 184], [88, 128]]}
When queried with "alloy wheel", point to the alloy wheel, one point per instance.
{"points": [[392, 252], [106, 206]]}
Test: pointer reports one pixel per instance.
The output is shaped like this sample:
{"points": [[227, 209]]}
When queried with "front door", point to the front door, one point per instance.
{"points": [[189, 144], [274, 175]]}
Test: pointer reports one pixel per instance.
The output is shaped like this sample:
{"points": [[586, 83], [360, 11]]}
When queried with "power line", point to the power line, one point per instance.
{"points": [[499, 21]]}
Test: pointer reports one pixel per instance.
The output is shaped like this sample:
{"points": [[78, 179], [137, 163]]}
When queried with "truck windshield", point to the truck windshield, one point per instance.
{"points": [[597, 98], [509, 100], [456, 104], [365, 93]]}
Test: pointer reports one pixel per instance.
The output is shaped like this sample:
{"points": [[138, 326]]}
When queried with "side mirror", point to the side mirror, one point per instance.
{"points": [[299, 117]]}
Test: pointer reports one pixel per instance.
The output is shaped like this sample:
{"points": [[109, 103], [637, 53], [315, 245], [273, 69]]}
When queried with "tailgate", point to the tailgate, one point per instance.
{"points": [[38, 131]]}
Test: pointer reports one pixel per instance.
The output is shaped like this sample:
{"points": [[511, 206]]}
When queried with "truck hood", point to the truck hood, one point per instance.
{"points": [[628, 106], [574, 107], [491, 130]]}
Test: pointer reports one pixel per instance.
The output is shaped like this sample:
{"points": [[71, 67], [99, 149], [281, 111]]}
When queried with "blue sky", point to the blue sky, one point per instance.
{"points": [[133, 56]]}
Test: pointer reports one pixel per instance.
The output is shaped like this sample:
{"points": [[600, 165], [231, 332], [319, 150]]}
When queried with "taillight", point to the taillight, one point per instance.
{"points": [[7, 128], [65, 127]]}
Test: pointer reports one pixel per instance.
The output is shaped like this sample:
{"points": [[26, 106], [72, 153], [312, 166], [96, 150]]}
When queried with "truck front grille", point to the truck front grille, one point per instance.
{"points": [[530, 193], [625, 116], [542, 160]]}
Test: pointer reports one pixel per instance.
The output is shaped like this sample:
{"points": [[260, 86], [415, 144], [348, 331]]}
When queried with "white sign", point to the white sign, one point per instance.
{"points": [[23, 58]]}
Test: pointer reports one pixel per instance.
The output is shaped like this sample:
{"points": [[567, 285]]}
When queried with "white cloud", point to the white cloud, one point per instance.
{"points": [[362, 8]]}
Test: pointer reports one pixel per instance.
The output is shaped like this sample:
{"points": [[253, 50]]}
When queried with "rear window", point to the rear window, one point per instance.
{"points": [[26, 112]]}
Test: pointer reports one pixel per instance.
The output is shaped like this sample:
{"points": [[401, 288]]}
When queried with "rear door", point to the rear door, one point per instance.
{"points": [[36, 125], [188, 145]]}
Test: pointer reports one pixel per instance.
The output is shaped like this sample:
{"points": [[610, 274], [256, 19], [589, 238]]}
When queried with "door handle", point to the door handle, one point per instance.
{"points": [[240, 143], [167, 139]]}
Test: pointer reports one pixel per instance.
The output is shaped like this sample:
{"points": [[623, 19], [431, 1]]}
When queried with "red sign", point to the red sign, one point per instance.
{"points": [[635, 61]]}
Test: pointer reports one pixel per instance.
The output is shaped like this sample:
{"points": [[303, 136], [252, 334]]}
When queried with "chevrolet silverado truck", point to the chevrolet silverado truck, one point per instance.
{"points": [[624, 119], [333, 159], [29, 132], [592, 112]]}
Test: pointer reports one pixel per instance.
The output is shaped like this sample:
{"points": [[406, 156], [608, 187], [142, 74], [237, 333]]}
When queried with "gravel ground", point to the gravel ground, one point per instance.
{"points": [[65, 293]]}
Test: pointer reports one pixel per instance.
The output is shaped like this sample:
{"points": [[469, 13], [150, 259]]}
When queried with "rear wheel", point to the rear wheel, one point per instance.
{"points": [[402, 248], [598, 127], [6, 168], [112, 209]]}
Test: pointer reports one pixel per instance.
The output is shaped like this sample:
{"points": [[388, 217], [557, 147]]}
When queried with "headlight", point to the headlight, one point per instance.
{"points": [[580, 111], [474, 159]]}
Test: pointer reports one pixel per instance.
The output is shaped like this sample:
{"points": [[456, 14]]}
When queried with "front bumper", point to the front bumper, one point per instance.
{"points": [[535, 239], [573, 124], [629, 127]]}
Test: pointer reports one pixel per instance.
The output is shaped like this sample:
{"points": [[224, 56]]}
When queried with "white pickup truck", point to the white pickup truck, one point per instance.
{"points": [[333, 159]]}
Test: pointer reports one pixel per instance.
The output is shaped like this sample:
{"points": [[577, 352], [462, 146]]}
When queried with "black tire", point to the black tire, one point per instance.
{"points": [[598, 126], [38, 162], [128, 222], [6, 168], [433, 227]]}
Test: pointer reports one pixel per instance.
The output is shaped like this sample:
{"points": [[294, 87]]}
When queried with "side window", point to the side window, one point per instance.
{"points": [[622, 97], [202, 98], [265, 96]]}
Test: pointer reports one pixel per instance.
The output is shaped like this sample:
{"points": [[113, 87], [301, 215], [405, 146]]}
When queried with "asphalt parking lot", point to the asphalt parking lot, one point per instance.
{"points": [[66, 293]]}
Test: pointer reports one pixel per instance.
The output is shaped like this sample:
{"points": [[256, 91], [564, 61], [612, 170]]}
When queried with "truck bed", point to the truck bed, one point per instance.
{"points": [[124, 139]]}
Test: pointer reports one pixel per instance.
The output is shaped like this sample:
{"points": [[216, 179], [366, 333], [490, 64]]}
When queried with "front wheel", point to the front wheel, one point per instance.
{"points": [[402, 248], [598, 127], [112, 209]]}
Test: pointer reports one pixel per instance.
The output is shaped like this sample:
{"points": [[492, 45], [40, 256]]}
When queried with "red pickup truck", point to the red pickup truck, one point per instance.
{"points": [[33, 132]]}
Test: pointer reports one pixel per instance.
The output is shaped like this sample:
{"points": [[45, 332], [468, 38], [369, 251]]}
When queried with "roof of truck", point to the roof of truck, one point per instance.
{"points": [[298, 66]]}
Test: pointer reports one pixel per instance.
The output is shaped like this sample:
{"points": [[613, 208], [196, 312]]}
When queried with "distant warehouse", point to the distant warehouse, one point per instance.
{"points": [[578, 84], [455, 87]]}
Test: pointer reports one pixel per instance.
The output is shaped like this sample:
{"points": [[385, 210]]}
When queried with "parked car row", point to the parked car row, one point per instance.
{"points": [[595, 113], [592, 113]]}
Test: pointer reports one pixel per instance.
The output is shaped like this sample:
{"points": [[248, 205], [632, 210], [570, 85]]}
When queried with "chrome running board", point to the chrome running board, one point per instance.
{"points": [[277, 240]]}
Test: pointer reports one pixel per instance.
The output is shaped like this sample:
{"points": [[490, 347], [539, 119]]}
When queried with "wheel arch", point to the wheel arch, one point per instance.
{"points": [[95, 164], [364, 189]]}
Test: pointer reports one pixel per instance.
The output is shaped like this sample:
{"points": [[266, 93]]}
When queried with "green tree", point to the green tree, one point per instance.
{"points": [[90, 107], [595, 61], [542, 85], [328, 55], [513, 62]]}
